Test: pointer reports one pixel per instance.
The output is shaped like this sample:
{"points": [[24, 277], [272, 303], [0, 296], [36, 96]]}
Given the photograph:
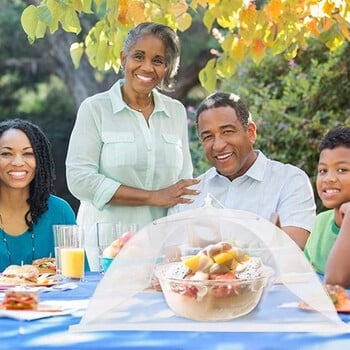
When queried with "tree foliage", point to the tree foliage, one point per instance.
{"points": [[242, 28]]}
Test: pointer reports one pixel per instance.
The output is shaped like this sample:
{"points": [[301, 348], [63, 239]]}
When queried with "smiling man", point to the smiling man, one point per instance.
{"points": [[244, 178]]}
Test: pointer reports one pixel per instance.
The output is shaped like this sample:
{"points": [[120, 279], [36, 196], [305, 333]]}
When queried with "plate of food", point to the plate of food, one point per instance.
{"points": [[339, 297], [25, 305], [27, 275]]}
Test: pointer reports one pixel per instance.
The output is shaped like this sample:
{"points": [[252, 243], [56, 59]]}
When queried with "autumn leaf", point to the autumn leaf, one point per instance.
{"points": [[258, 51], [274, 9], [313, 27], [123, 10]]}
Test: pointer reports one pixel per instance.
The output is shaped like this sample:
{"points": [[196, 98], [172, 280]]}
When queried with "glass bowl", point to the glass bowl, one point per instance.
{"points": [[211, 300]]}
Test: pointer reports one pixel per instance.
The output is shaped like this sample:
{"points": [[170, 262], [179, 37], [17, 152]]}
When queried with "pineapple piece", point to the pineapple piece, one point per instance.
{"points": [[192, 263]]}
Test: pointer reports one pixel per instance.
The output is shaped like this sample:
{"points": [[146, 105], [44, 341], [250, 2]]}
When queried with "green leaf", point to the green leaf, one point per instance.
{"points": [[44, 14], [208, 19], [87, 6], [207, 76], [29, 21]]}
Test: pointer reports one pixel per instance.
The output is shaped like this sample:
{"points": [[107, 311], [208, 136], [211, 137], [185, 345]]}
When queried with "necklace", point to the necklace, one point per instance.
{"points": [[4, 239], [141, 110]]}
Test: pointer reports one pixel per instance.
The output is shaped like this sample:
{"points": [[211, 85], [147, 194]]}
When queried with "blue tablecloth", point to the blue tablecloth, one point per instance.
{"points": [[53, 333]]}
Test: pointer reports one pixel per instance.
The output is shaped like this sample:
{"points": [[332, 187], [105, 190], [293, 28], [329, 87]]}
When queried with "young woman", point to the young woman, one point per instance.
{"points": [[28, 209]]}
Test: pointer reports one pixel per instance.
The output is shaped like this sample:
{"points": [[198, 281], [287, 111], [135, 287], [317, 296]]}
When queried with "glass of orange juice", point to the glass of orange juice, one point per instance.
{"points": [[72, 253]]}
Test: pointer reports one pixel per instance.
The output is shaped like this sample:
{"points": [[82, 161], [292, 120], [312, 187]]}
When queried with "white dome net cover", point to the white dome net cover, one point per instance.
{"points": [[123, 299]]}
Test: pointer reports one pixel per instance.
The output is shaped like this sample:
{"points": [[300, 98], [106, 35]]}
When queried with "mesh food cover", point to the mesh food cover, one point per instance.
{"points": [[123, 300]]}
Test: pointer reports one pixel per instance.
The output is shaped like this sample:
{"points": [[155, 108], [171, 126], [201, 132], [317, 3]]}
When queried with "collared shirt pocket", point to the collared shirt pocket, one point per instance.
{"points": [[119, 148], [173, 150]]}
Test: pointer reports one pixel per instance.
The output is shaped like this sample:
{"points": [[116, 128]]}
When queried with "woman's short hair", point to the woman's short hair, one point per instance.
{"points": [[171, 43]]}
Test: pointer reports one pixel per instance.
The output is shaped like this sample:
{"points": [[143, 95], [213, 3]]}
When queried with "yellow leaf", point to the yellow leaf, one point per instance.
{"points": [[117, 40], [76, 52], [29, 21], [40, 30], [226, 66], [87, 6], [179, 8], [69, 19], [208, 19], [77, 5], [194, 3], [238, 49], [101, 52], [207, 76], [184, 21], [335, 41], [291, 52], [54, 7]]}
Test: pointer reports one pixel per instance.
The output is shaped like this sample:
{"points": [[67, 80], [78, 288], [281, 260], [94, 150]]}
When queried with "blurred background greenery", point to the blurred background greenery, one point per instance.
{"points": [[294, 103]]}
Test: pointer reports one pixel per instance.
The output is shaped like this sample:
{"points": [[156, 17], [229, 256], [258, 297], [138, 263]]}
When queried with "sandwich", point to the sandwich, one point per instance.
{"points": [[45, 265], [20, 300], [16, 274], [338, 294]]}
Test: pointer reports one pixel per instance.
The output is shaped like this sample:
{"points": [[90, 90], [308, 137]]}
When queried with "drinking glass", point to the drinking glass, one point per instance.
{"points": [[107, 235], [69, 251]]}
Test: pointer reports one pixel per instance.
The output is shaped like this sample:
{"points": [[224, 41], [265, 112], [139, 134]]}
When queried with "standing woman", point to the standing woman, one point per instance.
{"points": [[128, 158], [27, 207]]}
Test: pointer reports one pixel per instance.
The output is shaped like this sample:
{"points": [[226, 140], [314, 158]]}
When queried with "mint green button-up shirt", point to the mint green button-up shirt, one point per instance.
{"points": [[112, 145]]}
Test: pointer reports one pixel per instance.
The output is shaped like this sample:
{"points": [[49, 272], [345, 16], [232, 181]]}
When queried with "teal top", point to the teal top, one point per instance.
{"points": [[321, 240], [21, 247]]}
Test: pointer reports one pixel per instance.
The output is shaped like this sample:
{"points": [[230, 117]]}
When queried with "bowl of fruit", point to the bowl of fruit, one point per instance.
{"points": [[221, 282]]}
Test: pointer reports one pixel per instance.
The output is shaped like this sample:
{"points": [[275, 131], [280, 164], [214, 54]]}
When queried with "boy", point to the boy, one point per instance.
{"points": [[328, 247]]}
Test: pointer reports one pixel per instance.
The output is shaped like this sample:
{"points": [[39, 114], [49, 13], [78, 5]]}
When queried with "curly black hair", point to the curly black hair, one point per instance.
{"points": [[336, 137], [42, 185]]}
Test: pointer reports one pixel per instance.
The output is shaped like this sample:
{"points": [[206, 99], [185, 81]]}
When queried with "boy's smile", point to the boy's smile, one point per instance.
{"points": [[333, 177]]}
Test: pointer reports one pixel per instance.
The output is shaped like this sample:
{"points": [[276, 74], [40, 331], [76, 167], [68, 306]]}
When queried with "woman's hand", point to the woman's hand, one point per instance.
{"points": [[174, 194], [165, 198]]}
